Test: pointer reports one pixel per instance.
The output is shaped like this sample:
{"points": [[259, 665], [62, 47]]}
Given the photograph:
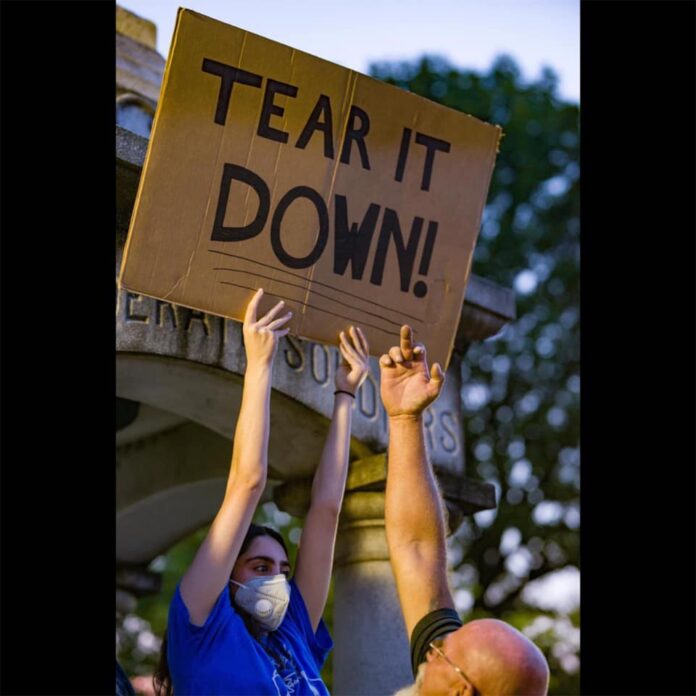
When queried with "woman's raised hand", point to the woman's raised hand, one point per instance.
{"points": [[352, 371], [261, 336]]}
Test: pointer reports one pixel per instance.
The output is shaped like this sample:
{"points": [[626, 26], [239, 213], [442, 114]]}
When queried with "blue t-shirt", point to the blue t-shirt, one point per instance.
{"points": [[222, 658]]}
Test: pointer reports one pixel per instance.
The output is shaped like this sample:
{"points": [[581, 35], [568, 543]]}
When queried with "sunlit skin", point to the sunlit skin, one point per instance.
{"points": [[438, 675], [212, 566], [217, 560], [495, 658]]}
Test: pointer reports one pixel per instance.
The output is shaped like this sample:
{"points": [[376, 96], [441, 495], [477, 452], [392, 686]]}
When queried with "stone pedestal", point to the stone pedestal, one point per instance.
{"points": [[371, 657]]}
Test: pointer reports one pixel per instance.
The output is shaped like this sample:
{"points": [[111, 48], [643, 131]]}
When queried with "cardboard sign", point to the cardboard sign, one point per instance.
{"points": [[354, 201]]}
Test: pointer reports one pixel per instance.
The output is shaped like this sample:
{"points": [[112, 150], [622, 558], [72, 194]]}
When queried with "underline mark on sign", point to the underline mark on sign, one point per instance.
{"points": [[302, 287], [318, 309], [317, 282]]}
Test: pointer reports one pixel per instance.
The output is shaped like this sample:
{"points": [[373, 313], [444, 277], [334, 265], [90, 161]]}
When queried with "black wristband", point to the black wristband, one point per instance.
{"points": [[342, 391], [432, 626]]}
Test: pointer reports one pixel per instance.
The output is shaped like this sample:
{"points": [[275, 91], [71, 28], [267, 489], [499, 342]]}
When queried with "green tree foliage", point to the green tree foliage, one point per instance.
{"points": [[521, 390]]}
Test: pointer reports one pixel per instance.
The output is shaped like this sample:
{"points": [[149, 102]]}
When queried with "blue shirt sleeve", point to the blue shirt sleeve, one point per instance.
{"points": [[319, 642], [187, 639]]}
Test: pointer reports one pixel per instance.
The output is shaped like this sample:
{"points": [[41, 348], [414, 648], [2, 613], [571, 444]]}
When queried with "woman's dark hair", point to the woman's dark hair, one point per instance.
{"points": [[257, 530], [161, 678]]}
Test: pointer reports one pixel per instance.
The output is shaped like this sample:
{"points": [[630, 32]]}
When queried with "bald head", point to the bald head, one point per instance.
{"points": [[495, 659], [498, 658]]}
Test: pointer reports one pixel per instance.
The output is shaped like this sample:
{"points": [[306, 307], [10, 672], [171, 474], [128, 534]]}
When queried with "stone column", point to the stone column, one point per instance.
{"points": [[371, 657], [371, 653]]}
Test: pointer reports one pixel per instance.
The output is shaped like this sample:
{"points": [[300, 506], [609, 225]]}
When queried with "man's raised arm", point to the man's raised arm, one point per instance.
{"points": [[414, 515]]}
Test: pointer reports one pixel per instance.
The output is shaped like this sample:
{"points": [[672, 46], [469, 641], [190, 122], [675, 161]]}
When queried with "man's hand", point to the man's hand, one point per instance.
{"points": [[261, 336], [352, 371], [407, 385]]}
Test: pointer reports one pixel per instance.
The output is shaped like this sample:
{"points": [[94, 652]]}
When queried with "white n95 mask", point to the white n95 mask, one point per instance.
{"points": [[265, 598]]}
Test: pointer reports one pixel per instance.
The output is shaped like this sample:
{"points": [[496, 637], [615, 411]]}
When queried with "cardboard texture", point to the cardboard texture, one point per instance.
{"points": [[354, 201]]}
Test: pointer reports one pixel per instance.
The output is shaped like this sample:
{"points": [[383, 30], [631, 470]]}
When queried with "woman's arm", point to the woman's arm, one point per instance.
{"points": [[315, 555], [211, 568]]}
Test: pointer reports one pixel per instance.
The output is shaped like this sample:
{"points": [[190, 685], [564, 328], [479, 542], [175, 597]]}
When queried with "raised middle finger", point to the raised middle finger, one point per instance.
{"points": [[406, 341]]}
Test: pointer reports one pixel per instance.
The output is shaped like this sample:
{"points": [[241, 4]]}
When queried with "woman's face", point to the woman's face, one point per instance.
{"points": [[265, 556]]}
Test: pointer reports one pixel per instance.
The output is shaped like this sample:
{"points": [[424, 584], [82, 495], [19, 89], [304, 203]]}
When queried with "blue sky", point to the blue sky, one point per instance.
{"points": [[470, 33]]}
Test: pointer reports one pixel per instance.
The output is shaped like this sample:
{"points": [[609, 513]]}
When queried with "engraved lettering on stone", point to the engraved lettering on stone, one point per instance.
{"points": [[428, 423], [162, 308], [131, 312], [320, 363], [294, 355], [450, 441], [192, 314], [367, 398]]}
